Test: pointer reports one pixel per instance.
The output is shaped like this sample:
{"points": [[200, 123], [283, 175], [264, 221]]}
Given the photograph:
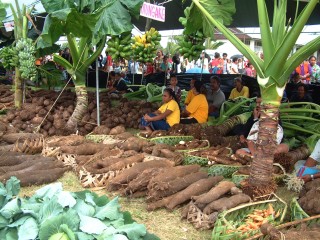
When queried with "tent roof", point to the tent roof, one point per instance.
{"points": [[246, 14]]}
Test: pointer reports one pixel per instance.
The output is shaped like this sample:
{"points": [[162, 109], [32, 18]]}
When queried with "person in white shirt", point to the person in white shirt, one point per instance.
{"points": [[234, 66]]}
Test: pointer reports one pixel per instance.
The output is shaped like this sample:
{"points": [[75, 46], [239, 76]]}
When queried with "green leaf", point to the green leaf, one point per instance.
{"points": [[84, 236], [13, 187], [52, 225], [115, 237], [84, 209], [134, 231], [28, 230], [66, 199], [150, 236], [11, 208], [50, 209], [111, 210], [11, 234], [3, 11], [56, 5], [19, 222], [3, 222], [91, 225], [48, 191]]}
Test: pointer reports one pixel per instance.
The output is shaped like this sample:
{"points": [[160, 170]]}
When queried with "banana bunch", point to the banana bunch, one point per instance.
{"points": [[191, 46], [120, 46], [26, 54], [9, 57], [145, 46]]}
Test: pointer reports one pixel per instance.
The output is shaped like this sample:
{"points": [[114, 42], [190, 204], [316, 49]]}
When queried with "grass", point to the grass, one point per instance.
{"points": [[166, 225]]}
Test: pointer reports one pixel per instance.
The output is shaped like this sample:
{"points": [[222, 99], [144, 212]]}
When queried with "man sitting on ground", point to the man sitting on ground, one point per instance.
{"points": [[215, 96]]}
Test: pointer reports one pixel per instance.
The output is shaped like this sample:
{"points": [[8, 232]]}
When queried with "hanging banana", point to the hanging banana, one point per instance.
{"points": [[120, 46]]}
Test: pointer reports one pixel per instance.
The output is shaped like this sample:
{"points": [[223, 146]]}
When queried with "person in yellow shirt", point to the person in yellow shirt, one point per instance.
{"points": [[197, 110], [166, 116], [239, 90], [190, 93]]}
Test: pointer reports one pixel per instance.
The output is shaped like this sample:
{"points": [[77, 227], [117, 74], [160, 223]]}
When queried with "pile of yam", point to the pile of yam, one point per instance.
{"points": [[35, 112], [7, 97], [309, 197]]}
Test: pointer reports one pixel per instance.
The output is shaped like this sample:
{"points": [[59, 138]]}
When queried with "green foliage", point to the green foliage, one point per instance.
{"points": [[9, 57], [53, 214]]}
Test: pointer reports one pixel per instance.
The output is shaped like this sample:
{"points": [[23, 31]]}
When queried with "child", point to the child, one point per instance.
{"points": [[174, 87]]}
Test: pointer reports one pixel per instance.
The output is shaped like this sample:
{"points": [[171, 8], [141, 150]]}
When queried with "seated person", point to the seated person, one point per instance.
{"points": [[309, 169], [190, 94], [239, 90], [165, 66], [110, 80], [215, 96], [296, 79], [174, 87], [302, 95], [197, 109], [166, 116], [119, 85]]}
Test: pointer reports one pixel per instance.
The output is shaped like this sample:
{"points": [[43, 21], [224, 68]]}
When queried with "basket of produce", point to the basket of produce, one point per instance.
{"points": [[296, 210], [245, 220], [222, 170], [193, 145], [307, 228], [190, 159], [171, 140]]}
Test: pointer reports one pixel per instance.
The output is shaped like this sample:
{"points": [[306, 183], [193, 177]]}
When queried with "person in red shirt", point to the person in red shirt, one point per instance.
{"points": [[217, 64]]}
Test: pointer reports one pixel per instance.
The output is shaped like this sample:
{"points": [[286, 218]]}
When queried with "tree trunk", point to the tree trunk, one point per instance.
{"points": [[18, 82], [82, 102], [260, 182]]}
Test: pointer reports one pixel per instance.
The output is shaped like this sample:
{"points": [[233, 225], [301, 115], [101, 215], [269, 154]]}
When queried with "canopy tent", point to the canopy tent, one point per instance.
{"points": [[246, 14]]}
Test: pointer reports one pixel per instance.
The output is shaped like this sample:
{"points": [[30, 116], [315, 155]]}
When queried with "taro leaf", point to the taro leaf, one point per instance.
{"points": [[134, 231], [11, 208], [56, 5], [222, 11], [28, 230], [84, 236], [66, 199], [91, 225], [83, 208], [52, 225], [48, 191], [50, 208], [13, 187], [110, 210]]}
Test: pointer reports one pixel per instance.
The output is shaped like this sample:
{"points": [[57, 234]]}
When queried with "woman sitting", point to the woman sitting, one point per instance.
{"points": [[197, 110], [166, 116]]}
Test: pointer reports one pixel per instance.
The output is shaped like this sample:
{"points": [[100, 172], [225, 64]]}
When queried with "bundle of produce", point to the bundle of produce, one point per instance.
{"points": [[145, 46], [244, 221], [31, 169], [128, 175], [58, 214], [171, 140], [201, 157], [186, 146], [30, 146], [195, 189], [120, 46], [204, 214], [307, 229]]}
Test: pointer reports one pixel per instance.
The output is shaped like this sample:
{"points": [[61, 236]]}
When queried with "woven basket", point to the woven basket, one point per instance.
{"points": [[171, 140], [297, 224], [222, 170], [297, 212], [226, 225], [189, 159]]}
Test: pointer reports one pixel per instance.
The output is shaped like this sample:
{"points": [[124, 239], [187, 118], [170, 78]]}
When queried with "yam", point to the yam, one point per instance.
{"points": [[117, 130], [129, 174], [215, 193], [84, 149], [160, 203], [194, 189], [176, 185], [226, 203], [142, 180], [13, 137], [101, 130], [170, 174]]}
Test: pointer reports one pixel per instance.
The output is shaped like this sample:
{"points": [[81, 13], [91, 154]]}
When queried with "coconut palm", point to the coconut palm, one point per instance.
{"points": [[273, 72], [85, 24]]}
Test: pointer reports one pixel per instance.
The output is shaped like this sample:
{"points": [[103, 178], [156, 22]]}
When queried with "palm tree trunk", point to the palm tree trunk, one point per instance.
{"points": [[82, 102], [260, 182], [18, 93]]}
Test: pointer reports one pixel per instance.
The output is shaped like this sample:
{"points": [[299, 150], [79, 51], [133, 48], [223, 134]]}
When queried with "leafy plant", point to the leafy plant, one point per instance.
{"points": [[54, 214]]}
